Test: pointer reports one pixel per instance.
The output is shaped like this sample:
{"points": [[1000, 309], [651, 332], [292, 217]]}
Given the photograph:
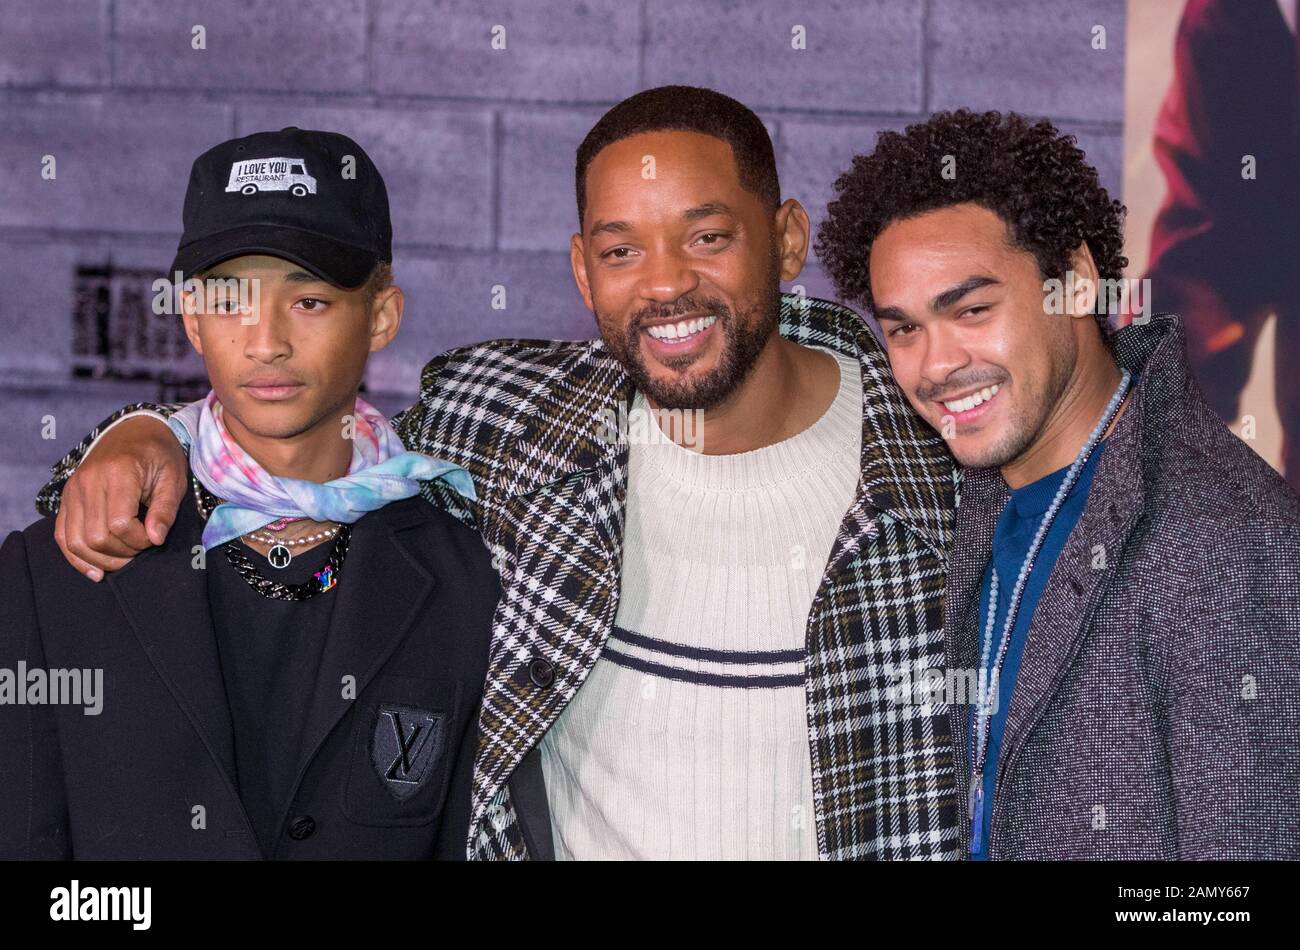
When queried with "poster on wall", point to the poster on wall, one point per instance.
{"points": [[1212, 185]]}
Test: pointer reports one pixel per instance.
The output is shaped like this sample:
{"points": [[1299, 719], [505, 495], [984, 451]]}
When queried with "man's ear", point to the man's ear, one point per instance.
{"points": [[386, 316], [792, 230], [190, 311], [1083, 301], [578, 261]]}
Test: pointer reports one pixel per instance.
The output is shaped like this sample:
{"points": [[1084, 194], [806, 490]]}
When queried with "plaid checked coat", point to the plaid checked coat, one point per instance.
{"points": [[527, 419]]}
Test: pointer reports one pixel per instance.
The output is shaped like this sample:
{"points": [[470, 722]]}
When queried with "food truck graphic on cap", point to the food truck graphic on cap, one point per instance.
{"points": [[252, 175]]}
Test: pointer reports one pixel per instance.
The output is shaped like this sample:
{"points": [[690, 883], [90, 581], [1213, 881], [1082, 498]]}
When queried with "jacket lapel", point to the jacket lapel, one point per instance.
{"points": [[165, 600], [907, 470], [558, 526], [983, 495], [1078, 579], [1062, 612], [383, 588], [546, 637]]}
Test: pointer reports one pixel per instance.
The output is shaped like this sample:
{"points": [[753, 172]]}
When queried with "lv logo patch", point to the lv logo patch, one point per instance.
{"points": [[406, 744]]}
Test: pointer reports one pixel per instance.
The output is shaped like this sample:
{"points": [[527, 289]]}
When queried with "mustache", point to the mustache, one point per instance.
{"points": [[680, 308], [932, 392]]}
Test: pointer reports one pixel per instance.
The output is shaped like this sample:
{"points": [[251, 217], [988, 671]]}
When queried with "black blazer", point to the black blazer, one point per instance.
{"points": [[412, 624]]}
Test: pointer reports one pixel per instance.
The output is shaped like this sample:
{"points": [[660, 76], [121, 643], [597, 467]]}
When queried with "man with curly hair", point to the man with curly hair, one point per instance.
{"points": [[1123, 602]]}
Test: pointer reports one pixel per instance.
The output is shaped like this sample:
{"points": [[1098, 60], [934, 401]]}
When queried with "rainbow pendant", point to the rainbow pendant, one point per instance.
{"points": [[325, 578]]}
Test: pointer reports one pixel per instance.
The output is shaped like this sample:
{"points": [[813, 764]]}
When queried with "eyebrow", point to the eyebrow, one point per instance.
{"points": [[942, 300], [706, 210], [615, 227]]}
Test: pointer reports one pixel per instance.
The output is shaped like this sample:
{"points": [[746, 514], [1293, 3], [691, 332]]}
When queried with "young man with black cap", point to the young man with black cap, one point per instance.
{"points": [[296, 672]]}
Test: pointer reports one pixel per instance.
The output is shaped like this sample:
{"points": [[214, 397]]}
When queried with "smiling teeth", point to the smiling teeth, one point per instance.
{"points": [[677, 331], [973, 400]]}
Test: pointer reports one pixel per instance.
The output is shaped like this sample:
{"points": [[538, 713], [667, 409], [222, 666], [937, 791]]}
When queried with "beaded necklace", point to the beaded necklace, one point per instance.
{"points": [[984, 709]]}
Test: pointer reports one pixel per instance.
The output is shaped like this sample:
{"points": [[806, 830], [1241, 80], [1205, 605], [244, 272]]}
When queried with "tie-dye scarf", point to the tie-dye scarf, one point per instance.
{"points": [[381, 471]]}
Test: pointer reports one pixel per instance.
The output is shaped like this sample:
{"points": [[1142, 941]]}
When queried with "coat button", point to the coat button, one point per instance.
{"points": [[302, 827], [541, 672]]}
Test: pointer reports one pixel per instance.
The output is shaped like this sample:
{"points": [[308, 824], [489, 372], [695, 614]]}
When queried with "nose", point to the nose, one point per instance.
{"points": [[266, 336], [667, 276], [943, 354]]}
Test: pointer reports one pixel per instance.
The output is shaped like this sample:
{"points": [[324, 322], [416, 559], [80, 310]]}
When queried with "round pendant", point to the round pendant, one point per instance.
{"points": [[279, 556]]}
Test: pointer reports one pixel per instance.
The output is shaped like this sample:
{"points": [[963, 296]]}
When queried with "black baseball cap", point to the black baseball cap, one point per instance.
{"points": [[313, 198]]}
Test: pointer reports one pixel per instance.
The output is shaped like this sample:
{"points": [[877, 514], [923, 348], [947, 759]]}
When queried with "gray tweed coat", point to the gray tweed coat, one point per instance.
{"points": [[1157, 710]]}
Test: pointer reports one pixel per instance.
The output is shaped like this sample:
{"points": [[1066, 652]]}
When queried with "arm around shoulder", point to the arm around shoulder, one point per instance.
{"points": [[51, 493]]}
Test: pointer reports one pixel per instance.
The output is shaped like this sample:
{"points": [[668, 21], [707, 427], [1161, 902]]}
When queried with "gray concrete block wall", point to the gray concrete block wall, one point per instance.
{"points": [[36, 37], [308, 47], [861, 56], [476, 144], [1034, 56], [553, 52]]}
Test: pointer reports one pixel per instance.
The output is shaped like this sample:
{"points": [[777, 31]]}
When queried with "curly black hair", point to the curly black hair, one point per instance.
{"points": [[1029, 174]]}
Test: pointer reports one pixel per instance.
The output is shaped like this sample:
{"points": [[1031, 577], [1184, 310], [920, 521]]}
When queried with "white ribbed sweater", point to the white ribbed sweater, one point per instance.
{"points": [[689, 738]]}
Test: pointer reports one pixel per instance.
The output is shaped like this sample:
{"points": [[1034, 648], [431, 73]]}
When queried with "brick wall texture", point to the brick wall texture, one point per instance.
{"points": [[476, 143]]}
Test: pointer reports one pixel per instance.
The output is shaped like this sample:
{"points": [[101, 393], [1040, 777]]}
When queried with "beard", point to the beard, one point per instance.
{"points": [[1025, 422], [744, 333]]}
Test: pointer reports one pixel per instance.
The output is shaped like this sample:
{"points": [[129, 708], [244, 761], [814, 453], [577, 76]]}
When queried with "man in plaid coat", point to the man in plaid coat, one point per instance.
{"points": [[525, 418], [517, 415]]}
